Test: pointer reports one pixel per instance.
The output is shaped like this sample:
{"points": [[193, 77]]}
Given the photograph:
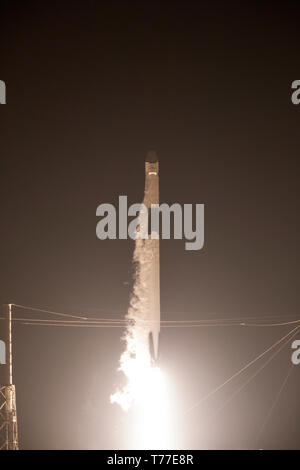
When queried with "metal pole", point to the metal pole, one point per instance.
{"points": [[8, 343]]}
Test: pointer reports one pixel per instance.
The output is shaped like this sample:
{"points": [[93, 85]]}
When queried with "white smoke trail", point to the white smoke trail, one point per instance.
{"points": [[136, 358]]}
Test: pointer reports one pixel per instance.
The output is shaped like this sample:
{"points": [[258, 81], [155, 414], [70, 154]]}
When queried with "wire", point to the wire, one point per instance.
{"points": [[254, 375], [74, 326], [124, 323], [164, 323], [260, 317], [232, 324], [238, 321], [49, 311], [276, 400], [105, 322], [236, 374]]}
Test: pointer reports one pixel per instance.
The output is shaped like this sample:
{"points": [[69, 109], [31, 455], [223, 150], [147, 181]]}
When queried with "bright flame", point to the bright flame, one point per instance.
{"points": [[152, 411], [147, 392]]}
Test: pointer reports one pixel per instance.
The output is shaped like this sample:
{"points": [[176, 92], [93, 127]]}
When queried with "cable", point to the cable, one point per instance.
{"points": [[240, 371], [232, 324], [254, 375], [238, 321], [74, 326], [106, 321], [166, 323], [275, 401], [49, 311]]}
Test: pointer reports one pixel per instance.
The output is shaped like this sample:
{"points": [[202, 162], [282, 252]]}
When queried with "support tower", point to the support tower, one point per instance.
{"points": [[8, 411]]}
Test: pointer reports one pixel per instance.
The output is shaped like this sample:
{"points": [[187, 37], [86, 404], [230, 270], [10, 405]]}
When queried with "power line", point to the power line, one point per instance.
{"points": [[164, 323], [238, 321], [255, 374], [49, 311], [236, 374], [73, 326], [96, 321], [107, 322], [275, 401]]}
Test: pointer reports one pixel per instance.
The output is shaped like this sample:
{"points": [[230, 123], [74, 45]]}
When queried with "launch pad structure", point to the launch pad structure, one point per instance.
{"points": [[8, 410]]}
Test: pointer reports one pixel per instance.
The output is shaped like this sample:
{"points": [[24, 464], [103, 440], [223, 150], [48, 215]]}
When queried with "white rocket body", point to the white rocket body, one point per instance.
{"points": [[151, 196]]}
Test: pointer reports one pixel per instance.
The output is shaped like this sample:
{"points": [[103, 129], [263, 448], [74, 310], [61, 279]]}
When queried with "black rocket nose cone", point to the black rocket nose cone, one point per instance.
{"points": [[151, 156]]}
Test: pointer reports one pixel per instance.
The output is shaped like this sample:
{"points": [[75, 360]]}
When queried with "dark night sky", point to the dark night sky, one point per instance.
{"points": [[91, 86]]}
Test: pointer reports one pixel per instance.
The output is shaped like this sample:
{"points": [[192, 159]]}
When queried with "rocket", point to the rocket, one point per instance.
{"points": [[151, 196]]}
